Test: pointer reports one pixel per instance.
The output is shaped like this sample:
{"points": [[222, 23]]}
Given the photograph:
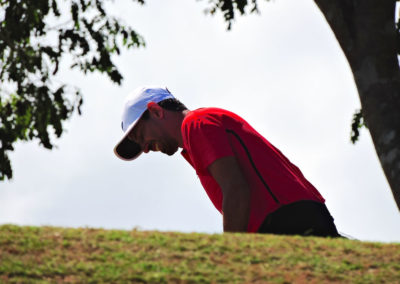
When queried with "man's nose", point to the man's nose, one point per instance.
{"points": [[146, 148]]}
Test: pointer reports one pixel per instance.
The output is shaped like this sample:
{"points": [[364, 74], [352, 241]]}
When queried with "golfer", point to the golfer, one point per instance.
{"points": [[249, 181]]}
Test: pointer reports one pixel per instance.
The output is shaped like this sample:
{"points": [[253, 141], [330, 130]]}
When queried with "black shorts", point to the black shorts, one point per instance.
{"points": [[306, 218]]}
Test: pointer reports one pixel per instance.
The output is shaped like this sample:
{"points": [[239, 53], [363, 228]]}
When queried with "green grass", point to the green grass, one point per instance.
{"points": [[62, 255]]}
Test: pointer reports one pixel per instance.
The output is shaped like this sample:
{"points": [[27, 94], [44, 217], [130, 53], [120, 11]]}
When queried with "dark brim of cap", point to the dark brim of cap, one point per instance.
{"points": [[127, 149]]}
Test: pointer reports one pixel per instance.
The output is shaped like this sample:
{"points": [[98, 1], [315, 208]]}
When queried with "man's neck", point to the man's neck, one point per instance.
{"points": [[182, 116]]}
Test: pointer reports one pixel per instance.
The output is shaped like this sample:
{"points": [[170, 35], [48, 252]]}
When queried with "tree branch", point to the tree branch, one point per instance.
{"points": [[339, 15]]}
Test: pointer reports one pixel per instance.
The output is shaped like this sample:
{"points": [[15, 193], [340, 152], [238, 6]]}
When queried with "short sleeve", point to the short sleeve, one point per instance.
{"points": [[206, 140]]}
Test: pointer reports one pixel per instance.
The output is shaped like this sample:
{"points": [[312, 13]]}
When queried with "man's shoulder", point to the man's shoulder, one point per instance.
{"points": [[211, 119], [205, 113]]}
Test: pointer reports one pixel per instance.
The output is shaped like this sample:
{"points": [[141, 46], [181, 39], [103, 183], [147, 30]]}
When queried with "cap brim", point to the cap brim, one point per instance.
{"points": [[126, 149]]}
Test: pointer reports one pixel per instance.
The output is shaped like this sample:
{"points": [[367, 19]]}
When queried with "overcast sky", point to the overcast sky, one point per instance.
{"points": [[283, 71]]}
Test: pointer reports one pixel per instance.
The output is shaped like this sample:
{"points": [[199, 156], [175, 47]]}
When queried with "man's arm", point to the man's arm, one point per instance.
{"points": [[236, 193]]}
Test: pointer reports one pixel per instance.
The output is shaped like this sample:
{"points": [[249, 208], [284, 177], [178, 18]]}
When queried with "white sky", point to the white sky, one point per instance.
{"points": [[283, 71]]}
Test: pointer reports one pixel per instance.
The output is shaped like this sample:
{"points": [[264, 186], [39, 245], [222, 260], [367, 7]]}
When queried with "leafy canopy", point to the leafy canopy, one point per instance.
{"points": [[34, 37]]}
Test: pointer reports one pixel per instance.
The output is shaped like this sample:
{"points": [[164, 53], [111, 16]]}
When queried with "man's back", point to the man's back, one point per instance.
{"points": [[212, 133]]}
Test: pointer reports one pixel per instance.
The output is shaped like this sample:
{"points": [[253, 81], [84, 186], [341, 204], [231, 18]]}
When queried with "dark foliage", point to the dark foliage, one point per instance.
{"points": [[356, 125], [32, 105], [229, 8]]}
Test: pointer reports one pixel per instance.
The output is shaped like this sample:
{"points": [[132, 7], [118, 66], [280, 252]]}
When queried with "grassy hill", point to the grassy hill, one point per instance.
{"points": [[62, 255]]}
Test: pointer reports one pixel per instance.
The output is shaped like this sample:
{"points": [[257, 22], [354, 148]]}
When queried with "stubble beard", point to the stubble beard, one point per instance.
{"points": [[169, 149]]}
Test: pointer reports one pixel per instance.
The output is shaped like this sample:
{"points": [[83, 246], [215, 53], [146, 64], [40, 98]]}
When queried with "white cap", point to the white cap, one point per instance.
{"points": [[135, 105]]}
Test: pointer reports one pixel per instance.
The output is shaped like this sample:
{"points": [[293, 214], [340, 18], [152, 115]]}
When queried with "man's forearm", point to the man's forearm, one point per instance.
{"points": [[236, 211], [236, 193]]}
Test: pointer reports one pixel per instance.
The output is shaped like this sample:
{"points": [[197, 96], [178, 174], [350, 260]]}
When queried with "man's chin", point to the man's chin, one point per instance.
{"points": [[169, 152]]}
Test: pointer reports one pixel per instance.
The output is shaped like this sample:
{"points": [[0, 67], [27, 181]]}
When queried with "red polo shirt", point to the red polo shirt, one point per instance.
{"points": [[212, 133]]}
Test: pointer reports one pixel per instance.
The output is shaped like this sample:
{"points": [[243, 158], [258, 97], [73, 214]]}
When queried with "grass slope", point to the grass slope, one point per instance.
{"points": [[54, 255]]}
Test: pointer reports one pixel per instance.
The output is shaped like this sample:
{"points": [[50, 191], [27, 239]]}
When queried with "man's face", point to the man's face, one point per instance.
{"points": [[152, 135]]}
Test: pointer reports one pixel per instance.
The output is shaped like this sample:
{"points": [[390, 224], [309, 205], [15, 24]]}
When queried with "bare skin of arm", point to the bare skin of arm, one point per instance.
{"points": [[236, 193]]}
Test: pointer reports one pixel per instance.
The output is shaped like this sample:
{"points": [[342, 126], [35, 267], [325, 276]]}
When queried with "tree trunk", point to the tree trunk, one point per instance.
{"points": [[365, 30]]}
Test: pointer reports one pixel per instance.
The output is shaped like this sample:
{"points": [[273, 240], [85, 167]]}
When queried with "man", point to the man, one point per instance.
{"points": [[254, 186]]}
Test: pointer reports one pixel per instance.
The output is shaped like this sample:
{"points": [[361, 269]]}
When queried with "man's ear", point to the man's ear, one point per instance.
{"points": [[155, 110]]}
